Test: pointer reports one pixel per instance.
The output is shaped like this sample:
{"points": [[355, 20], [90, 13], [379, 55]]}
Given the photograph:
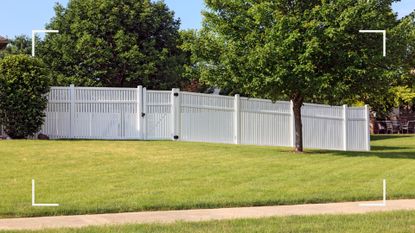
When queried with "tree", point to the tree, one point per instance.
{"points": [[302, 50], [114, 43], [24, 81], [191, 72]]}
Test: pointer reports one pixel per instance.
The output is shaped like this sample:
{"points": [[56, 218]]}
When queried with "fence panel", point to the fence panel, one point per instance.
{"points": [[92, 113], [265, 123], [323, 127], [58, 113], [100, 113], [207, 118], [357, 130]]}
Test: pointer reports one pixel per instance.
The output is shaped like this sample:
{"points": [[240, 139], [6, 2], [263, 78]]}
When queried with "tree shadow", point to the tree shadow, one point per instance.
{"points": [[399, 151], [384, 149], [379, 137], [384, 152], [380, 151]]}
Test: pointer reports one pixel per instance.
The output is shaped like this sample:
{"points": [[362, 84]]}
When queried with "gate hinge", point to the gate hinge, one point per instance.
{"points": [[176, 94], [176, 137]]}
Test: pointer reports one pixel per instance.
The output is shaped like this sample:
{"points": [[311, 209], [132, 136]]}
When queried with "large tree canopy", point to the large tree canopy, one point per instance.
{"points": [[114, 43], [303, 50]]}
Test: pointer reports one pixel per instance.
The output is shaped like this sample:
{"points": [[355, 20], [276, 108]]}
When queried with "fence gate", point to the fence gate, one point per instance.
{"points": [[157, 115]]}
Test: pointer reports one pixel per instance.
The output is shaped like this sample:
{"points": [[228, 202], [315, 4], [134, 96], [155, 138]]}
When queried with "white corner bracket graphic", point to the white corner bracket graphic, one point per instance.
{"points": [[33, 198], [378, 31], [34, 39], [382, 204]]}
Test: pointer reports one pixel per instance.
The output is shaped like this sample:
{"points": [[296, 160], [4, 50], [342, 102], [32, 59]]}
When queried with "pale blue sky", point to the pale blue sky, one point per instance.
{"points": [[21, 16]]}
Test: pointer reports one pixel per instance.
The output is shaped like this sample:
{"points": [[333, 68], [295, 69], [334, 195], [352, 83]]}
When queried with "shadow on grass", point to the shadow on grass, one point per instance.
{"points": [[383, 155], [379, 137], [390, 148], [384, 152]]}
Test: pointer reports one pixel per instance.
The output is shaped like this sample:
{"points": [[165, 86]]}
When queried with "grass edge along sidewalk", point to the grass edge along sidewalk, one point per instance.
{"points": [[198, 215], [93, 177], [385, 222]]}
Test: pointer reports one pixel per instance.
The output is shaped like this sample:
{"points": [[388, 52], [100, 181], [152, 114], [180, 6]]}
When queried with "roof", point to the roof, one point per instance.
{"points": [[2, 39], [3, 42]]}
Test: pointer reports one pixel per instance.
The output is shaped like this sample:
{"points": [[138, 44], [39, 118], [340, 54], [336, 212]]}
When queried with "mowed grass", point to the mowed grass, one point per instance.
{"points": [[393, 222], [119, 176]]}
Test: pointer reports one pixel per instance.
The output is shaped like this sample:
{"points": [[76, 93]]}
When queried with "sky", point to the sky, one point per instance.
{"points": [[19, 17]]}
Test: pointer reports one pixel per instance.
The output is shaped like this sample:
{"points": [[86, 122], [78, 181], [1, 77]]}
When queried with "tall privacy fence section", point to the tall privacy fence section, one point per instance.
{"points": [[137, 113]]}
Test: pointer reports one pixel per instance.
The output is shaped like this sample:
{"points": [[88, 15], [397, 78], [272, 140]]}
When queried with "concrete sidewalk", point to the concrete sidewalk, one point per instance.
{"points": [[198, 215]]}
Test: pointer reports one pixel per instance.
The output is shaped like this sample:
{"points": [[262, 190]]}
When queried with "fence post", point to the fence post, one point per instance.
{"points": [[144, 113], [345, 127], [292, 124], [237, 120], [140, 115], [175, 113], [367, 122], [72, 111]]}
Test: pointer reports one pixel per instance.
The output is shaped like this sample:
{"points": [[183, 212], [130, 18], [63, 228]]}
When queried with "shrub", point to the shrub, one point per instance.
{"points": [[24, 82]]}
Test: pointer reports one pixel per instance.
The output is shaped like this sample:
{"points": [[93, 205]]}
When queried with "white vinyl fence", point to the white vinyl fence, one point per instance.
{"points": [[137, 113]]}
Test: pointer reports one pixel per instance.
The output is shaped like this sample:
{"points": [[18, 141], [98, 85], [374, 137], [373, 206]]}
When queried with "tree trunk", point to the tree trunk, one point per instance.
{"points": [[297, 104]]}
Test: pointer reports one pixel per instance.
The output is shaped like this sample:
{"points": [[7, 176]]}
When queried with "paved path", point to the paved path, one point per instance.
{"points": [[198, 215]]}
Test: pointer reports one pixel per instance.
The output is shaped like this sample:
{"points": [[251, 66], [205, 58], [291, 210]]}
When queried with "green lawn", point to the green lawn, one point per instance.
{"points": [[113, 176], [392, 222]]}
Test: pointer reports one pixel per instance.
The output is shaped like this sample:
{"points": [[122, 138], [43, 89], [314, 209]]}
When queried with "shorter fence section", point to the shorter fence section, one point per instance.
{"points": [[266, 123], [206, 118], [137, 113]]}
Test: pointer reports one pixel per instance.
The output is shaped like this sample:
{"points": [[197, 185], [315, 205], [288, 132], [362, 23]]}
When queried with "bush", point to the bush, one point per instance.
{"points": [[23, 84]]}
